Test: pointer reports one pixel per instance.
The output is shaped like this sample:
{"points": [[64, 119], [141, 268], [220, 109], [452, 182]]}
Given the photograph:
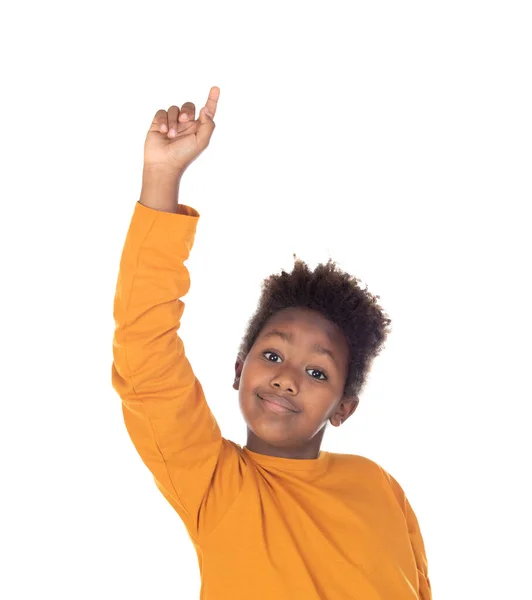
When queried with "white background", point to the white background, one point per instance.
{"points": [[394, 137]]}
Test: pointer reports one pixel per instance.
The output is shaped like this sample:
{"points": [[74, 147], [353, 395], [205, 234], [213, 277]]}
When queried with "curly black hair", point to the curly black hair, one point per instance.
{"points": [[339, 298]]}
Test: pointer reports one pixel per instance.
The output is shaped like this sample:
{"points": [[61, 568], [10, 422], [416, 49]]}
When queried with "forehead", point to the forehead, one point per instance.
{"points": [[307, 321]]}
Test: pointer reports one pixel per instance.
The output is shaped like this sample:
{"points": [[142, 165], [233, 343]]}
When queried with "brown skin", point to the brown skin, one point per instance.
{"points": [[174, 141], [296, 371]]}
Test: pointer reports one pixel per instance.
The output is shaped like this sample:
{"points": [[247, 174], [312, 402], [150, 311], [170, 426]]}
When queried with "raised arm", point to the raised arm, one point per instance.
{"points": [[164, 407], [163, 404]]}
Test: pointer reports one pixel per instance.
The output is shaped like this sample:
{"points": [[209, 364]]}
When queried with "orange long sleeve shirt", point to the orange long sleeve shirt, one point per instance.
{"points": [[338, 527]]}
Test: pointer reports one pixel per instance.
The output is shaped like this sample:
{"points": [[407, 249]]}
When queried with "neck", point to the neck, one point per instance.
{"points": [[311, 450]]}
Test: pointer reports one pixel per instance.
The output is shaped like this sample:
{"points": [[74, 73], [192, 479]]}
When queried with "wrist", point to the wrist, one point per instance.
{"points": [[160, 189], [157, 173]]}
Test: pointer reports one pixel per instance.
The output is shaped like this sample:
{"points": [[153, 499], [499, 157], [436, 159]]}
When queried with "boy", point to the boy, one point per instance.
{"points": [[277, 519]]}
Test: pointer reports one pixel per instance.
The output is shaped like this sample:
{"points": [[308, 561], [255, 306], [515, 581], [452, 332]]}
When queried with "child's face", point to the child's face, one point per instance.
{"points": [[311, 381]]}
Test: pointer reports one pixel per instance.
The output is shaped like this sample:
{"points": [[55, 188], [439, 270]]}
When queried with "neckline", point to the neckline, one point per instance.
{"points": [[290, 464]]}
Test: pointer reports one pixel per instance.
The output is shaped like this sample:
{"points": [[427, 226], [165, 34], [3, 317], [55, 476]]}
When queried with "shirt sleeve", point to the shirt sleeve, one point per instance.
{"points": [[163, 404], [418, 546], [416, 539]]}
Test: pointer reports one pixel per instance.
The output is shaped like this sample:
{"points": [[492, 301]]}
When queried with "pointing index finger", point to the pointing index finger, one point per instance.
{"points": [[212, 100]]}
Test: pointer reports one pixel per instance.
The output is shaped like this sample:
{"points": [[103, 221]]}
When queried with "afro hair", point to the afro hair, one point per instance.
{"points": [[339, 298]]}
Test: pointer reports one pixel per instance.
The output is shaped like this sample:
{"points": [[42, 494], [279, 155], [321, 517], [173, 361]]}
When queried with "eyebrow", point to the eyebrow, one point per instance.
{"points": [[288, 337]]}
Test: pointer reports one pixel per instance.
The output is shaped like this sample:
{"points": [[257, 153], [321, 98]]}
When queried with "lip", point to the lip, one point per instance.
{"points": [[277, 403]]}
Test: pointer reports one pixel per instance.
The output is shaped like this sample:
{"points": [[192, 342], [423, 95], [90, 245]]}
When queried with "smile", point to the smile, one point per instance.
{"points": [[276, 408]]}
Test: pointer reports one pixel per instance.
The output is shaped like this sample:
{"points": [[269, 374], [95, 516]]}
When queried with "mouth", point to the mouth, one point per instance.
{"points": [[274, 405]]}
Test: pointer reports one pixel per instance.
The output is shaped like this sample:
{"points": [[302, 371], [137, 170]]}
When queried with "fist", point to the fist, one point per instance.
{"points": [[176, 138]]}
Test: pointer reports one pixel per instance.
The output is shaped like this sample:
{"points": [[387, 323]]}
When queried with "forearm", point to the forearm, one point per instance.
{"points": [[160, 190]]}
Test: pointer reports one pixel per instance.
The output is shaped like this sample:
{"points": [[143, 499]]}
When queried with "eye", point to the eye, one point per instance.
{"points": [[268, 352], [314, 370], [318, 371]]}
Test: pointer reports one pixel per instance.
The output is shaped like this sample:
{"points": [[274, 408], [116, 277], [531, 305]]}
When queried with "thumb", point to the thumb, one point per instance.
{"points": [[206, 128]]}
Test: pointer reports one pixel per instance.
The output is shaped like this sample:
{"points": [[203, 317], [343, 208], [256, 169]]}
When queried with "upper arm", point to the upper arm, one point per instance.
{"points": [[416, 538]]}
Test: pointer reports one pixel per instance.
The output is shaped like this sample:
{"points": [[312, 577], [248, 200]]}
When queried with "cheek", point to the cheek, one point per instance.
{"points": [[246, 391], [254, 374], [319, 408]]}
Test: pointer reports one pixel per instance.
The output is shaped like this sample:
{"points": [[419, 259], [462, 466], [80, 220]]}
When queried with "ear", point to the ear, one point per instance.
{"points": [[344, 410], [239, 365]]}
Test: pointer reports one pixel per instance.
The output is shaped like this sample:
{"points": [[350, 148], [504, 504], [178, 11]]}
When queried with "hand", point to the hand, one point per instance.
{"points": [[175, 139]]}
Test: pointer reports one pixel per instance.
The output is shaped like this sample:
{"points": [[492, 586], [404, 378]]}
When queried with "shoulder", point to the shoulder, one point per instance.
{"points": [[357, 463], [367, 468], [354, 461]]}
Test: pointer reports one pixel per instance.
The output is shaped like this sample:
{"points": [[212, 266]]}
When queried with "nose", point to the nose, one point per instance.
{"points": [[287, 389], [284, 381]]}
